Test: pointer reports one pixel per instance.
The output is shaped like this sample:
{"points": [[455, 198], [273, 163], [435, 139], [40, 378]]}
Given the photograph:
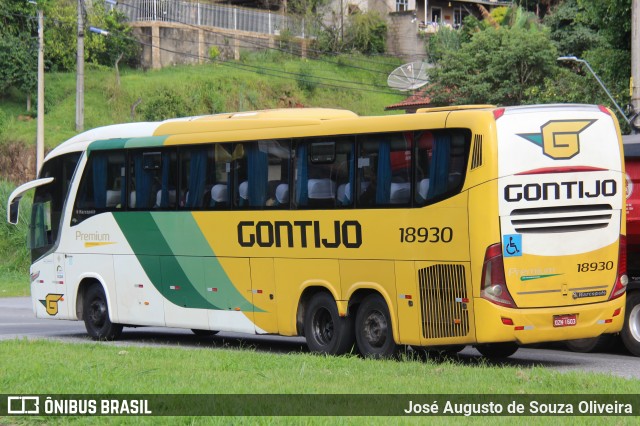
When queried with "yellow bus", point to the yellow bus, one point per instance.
{"points": [[471, 225]]}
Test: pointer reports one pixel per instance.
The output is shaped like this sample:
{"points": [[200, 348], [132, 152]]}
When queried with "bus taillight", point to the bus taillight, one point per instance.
{"points": [[622, 279], [494, 283]]}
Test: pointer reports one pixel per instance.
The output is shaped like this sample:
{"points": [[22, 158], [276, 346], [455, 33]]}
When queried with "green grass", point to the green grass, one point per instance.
{"points": [[46, 367], [14, 256]]}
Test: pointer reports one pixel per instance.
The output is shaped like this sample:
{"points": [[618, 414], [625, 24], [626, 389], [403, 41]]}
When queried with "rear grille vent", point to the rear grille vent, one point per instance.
{"points": [[476, 159], [443, 301], [561, 219]]}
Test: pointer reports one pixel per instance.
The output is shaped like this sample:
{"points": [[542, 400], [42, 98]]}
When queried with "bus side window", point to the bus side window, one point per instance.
{"points": [[219, 173], [102, 186], [278, 163], [423, 148], [384, 170], [323, 172], [441, 158], [195, 177], [153, 181]]}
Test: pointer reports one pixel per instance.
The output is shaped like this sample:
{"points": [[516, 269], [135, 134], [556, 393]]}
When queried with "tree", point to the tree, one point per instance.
{"points": [[497, 66], [572, 33], [18, 48]]}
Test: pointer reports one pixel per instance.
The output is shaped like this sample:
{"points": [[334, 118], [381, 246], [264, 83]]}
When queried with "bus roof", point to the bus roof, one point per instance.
{"points": [[230, 125]]}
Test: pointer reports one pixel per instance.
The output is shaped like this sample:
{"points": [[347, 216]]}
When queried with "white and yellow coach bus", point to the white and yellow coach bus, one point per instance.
{"points": [[455, 226]]}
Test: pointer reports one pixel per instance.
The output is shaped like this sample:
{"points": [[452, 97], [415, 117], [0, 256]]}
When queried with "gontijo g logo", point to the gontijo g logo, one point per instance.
{"points": [[51, 303], [559, 139]]}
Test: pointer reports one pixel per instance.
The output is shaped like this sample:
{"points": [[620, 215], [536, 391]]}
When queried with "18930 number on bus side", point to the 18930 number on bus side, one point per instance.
{"points": [[426, 235]]}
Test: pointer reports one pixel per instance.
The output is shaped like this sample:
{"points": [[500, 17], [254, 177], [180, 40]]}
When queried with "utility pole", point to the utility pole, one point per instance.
{"points": [[80, 71], [40, 119], [635, 59]]}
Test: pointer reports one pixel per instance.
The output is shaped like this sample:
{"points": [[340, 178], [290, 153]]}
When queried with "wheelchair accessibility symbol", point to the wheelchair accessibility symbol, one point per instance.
{"points": [[512, 245]]}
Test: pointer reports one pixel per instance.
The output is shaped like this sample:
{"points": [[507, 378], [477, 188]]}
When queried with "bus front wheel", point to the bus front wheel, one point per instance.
{"points": [[96, 315], [374, 333], [326, 332], [631, 330], [497, 350]]}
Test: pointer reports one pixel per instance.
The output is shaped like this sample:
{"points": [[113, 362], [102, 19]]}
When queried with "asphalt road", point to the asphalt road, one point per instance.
{"points": [[17, 321]]}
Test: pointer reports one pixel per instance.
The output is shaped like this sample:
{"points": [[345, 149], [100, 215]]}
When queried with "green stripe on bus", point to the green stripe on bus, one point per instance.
{"points": [[155, 238], [120, 143], [105, 144], [198, 261], [146, 142]]}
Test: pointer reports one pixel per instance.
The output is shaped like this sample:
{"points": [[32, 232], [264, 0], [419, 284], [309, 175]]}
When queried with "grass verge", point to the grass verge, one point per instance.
{"points": [[46, 367]]}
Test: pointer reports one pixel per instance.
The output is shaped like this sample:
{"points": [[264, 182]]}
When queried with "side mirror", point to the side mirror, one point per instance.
{"points": [[14, 211]]}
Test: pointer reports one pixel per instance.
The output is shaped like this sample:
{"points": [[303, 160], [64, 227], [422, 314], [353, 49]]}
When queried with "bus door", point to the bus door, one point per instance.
{"points": [[48, 279]]}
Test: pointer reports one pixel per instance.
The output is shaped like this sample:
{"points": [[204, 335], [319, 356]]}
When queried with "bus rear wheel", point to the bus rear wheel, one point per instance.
{"points": [[631, 330], [96, 315], [326, 332], [374, 333], [497, 350]]}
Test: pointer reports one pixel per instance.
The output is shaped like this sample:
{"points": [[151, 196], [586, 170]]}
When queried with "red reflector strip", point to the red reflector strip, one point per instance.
{"points": [[139, 286], [213, 289], [616, 312], [256, 291], [523, 327], [507, 321], [59, 282], [41, 281], [175, 287], [606, 321], [405, 296]]}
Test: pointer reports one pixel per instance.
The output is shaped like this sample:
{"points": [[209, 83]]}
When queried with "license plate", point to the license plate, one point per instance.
{"points": [[565, 320]]}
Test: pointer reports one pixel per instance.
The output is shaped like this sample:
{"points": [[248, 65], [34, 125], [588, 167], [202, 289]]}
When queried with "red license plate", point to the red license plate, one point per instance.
{"points": [[565, 320]]}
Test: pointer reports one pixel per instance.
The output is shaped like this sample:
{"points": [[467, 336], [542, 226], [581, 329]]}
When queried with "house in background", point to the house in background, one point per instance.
{"points": [[410, 20]]}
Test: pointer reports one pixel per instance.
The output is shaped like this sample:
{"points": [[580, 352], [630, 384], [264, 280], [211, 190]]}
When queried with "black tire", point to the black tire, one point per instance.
{"points": [[631, 329], [204, 333], [593, 344], [326, 332], [497, 350], [96, 315], [374, 332]]}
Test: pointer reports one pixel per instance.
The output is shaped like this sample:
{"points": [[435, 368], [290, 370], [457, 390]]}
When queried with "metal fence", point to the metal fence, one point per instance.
{"points": [[230, 18]]}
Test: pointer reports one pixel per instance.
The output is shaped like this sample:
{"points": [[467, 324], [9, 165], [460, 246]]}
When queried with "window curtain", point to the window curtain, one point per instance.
{"points": [[439, 167], [197, 177], [166, 170], [257, 164], [143, 182], [352, 177], [100, 180], [302, 179], [383, 189]]}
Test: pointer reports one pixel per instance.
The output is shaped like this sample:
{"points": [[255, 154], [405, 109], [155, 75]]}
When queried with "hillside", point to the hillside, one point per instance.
{"points": [[258, 81]]}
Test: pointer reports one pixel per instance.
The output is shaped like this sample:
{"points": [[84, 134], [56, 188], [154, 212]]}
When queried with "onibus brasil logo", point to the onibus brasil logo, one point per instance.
{"points": [[559, 139]]}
